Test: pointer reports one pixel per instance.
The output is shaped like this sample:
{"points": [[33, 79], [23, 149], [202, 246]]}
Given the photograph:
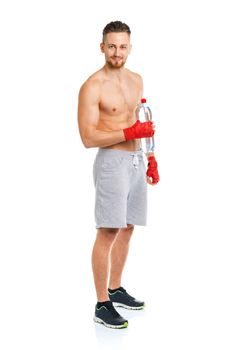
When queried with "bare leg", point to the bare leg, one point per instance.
{"points": [[100, 260], [119, 254]]}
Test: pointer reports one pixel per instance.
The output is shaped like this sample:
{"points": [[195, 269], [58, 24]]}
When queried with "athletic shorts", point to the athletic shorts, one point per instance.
{"points": [[121, 188]]}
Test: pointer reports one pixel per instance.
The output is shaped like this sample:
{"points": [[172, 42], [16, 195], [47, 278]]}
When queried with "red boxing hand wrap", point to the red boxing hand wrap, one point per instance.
{"points": [[139, 130], [152, 170]]}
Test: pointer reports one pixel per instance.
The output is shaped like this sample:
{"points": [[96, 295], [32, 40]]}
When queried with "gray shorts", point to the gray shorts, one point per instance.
{"points": [[121, 188]]}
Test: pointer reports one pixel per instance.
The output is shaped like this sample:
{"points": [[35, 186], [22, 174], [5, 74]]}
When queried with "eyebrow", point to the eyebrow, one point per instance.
{"points": [[115, 44]]}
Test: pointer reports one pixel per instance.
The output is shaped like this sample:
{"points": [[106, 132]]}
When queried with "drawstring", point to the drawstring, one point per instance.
{"points": [[135, 160]]}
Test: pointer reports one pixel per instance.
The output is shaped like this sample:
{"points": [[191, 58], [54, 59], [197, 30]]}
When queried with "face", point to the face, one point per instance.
{"points": [[116, 48]]}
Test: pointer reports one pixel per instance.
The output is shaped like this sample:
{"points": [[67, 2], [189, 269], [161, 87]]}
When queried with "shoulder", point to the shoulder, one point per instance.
{"points": [[91, 87], [138, 82], [92, 84], [136, 77]]}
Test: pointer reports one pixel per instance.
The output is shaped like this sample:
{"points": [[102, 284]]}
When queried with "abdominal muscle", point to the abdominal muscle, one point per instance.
{"points": [[131, 145]]}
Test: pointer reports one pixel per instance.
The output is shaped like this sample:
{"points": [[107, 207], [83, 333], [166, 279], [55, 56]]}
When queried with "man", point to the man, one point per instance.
{"points": [[106, 118]]}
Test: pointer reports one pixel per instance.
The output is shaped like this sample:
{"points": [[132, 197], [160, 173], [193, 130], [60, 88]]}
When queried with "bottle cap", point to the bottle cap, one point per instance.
{"points": [[143, 100]]}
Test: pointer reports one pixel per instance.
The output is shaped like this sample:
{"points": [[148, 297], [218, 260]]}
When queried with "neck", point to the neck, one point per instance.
{"points": [[113, 72]]}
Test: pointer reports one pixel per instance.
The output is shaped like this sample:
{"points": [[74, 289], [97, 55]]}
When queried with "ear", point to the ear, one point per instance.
{"points": [[102, 47], [130, 48]]}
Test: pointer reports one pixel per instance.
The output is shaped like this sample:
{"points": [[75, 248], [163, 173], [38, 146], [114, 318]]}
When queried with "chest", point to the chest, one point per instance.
{"points": [[119, 98]]}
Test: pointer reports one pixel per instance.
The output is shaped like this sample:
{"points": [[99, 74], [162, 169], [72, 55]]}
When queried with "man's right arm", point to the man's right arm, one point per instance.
{"points": [[88, 118]]}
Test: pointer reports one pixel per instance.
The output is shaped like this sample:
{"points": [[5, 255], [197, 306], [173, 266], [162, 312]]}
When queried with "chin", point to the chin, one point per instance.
{"points": [[116, 65]]}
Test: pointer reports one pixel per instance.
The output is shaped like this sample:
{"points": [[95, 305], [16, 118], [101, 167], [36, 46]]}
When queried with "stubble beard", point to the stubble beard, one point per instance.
{"points": [[116, 65]]}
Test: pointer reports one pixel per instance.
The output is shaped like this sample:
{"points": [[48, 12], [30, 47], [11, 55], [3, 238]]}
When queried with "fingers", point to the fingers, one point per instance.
{"points": [[151, 123], [150, 181], [136, 123]]}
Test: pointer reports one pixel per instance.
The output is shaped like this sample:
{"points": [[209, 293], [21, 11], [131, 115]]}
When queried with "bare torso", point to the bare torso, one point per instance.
{"points": [[119, 96]]}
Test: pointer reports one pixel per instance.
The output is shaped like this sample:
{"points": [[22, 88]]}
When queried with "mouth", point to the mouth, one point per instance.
{"points": [[117, 58]]}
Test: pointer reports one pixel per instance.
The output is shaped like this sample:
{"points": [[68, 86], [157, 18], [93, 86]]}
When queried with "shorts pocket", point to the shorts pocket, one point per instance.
{"points": [[112, 164]]}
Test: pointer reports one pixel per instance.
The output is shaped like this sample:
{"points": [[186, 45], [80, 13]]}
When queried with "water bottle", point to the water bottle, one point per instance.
{"points": [[144, 114]]}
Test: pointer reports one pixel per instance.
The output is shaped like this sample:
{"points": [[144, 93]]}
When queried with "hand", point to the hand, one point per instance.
{"points": [[139, 130], [152, 171]]}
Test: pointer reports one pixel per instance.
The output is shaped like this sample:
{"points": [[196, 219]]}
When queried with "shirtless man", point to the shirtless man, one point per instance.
{"points": [[106, 119]]}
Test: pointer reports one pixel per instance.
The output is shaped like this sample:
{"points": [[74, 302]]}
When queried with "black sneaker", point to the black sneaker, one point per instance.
{"points": [[109, 317], [121, 298]]}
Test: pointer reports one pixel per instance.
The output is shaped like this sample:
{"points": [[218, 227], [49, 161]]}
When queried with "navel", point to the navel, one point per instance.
{"points": [[114, 109]]}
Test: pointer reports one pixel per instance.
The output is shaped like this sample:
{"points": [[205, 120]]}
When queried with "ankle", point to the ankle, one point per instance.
{"points": [[114, 286], [106, 303], [112, 290]]}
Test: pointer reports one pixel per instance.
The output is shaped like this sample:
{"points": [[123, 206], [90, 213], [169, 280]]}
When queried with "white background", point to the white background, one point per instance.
{"points": [[181, 263]]}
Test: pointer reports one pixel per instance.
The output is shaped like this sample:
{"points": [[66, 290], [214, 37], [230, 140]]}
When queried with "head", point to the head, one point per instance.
{"points": [[116, 44]]}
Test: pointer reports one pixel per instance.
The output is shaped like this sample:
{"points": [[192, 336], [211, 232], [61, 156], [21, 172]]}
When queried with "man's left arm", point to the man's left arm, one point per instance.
{"points": [[152, 167]]}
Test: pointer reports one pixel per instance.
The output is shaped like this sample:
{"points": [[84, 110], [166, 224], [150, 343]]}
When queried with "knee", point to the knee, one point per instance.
{"points": [[107, 235], [128, 230], [107, 230], [130, 227], [126, 233]]}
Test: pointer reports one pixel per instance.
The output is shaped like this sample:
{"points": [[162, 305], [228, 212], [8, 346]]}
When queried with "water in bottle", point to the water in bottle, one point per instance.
{"points": [[144, 114]]}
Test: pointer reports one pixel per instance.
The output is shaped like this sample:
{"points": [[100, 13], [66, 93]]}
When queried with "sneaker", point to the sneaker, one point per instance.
{"points": [[121, 298], [109, 317]]}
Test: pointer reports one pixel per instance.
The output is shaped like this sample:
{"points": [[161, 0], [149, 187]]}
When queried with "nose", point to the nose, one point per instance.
{"points": [[117, 52]]}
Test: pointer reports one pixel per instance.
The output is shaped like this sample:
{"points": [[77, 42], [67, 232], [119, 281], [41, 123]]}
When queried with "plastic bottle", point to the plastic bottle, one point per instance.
{"points": [[144, 114]]}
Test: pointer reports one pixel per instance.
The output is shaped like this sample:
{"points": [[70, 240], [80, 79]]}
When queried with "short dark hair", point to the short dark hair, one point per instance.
{"points": [[116, 27]]}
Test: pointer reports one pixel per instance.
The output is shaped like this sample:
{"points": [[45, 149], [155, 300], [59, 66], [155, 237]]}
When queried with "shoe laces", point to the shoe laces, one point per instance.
{"points": [[124, 291]]}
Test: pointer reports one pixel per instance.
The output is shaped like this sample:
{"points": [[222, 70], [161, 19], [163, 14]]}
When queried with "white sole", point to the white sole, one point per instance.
{"points": [[98, 320], [128, 307]]}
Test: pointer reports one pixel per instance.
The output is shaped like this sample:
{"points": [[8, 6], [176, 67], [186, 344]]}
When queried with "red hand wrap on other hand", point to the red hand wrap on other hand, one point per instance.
{"points": [[139, 130], [152, 170]]}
